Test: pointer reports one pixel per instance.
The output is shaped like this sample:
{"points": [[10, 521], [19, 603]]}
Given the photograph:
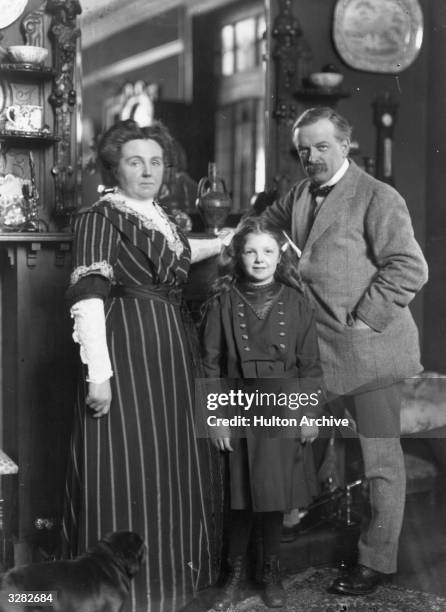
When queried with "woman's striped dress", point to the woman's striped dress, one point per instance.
{"points": [[141, 468]]}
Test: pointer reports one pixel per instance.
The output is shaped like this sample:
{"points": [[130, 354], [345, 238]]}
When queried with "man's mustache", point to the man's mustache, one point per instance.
{"points": [[312, 168]]}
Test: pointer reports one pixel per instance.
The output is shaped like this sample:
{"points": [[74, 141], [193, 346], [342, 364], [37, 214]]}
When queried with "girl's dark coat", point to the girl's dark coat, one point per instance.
{"points": [[267, 473]]}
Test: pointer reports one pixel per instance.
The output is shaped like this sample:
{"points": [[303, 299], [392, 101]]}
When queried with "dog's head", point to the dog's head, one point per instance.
{"points": [[128, 547]]}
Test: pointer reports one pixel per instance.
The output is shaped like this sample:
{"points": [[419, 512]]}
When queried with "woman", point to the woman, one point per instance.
{"points": [[136, 463]]}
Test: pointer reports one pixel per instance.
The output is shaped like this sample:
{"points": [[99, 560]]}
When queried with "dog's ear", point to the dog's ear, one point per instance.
{"points": [[129, 547], [135, 553], [139, 559]]}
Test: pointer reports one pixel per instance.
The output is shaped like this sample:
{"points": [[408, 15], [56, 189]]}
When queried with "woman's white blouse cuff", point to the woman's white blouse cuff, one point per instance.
{"points": [[89, 331]]}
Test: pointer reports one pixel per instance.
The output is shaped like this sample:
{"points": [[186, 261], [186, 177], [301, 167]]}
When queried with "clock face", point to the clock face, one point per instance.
{"points": [[387, 119], [10, 10]]}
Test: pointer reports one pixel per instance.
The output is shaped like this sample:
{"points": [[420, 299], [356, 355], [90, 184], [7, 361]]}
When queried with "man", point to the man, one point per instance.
{"points": [[361, 266]]}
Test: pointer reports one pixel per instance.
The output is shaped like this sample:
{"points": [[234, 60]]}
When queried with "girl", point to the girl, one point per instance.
{"points": [[259, 325]]}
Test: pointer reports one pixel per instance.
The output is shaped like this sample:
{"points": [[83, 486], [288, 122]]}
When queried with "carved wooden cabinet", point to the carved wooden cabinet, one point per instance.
{"points": [[38, 362], [38, 371]]}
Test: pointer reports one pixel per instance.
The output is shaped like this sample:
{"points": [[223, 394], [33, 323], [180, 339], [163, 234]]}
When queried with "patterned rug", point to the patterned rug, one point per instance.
{"points": [[306, 592]]}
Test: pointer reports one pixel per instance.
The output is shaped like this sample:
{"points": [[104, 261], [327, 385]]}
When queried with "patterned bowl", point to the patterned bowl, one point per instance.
{"points": [[28, 54]]}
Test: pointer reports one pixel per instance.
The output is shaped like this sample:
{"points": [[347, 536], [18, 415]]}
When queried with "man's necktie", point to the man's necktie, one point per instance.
{"points": [[320, 192], [316, 192]]}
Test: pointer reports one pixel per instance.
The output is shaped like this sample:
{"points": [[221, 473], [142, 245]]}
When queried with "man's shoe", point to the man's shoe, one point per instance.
{"points": [[358, 580], [232, 590]]}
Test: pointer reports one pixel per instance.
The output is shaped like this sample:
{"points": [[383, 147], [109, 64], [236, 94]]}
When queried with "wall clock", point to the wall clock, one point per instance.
{"points": [[378, 35], [10, 10]]}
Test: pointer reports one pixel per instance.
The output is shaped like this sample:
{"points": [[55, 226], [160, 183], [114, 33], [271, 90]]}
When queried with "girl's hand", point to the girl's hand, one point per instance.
{"points": [[222, 444], [308, 433], [99, 398]]}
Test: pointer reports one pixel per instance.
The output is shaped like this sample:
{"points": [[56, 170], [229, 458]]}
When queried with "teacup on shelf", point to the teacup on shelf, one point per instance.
{"points": [[28, 54], [23, 118]]}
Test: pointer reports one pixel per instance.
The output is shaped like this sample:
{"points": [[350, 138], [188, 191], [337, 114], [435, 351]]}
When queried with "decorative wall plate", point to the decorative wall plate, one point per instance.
{"points": [[378, 35], [10, 10]]}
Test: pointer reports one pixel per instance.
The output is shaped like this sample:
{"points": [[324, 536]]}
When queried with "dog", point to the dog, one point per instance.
{"points": [[97, 581]]}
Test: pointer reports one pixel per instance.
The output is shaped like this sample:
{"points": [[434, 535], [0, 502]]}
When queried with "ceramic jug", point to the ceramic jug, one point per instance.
{"points": [[213, 200]]}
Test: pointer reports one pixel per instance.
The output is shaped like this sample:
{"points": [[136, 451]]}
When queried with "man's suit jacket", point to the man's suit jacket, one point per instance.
{"points": [[360, 259]]}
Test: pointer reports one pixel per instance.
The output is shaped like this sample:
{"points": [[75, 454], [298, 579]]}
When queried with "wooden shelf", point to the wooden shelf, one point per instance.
{"points": [[47, 237], [22, 138], [321, 94], [31, 70]]}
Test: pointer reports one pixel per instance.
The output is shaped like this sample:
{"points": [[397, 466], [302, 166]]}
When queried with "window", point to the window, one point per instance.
{"points": [[240, 113], [242, 44], [240, 149], [227, 50]]}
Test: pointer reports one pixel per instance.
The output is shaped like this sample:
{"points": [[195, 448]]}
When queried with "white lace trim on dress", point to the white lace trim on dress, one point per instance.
{"points": [[151, 216], [98, 267]]}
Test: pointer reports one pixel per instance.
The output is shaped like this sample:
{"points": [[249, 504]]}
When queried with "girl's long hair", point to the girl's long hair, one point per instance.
{"points": [[230, 269]]}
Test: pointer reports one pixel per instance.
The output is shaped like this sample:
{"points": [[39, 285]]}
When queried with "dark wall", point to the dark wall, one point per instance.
{"points": [[205, 87], [435, 294]]}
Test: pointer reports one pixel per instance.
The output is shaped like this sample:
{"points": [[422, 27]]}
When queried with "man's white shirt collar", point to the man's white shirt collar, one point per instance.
{"points": [[338, 175]]}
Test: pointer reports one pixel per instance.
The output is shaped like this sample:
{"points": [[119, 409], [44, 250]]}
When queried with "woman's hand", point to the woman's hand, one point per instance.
{"points": [[226, 235], [222, 444], [99, 398], [202, 248], [308, 433]]}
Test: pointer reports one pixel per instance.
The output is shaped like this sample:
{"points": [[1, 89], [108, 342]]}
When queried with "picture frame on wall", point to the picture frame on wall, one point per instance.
{"points": [[133, 101], [378, 35]]}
